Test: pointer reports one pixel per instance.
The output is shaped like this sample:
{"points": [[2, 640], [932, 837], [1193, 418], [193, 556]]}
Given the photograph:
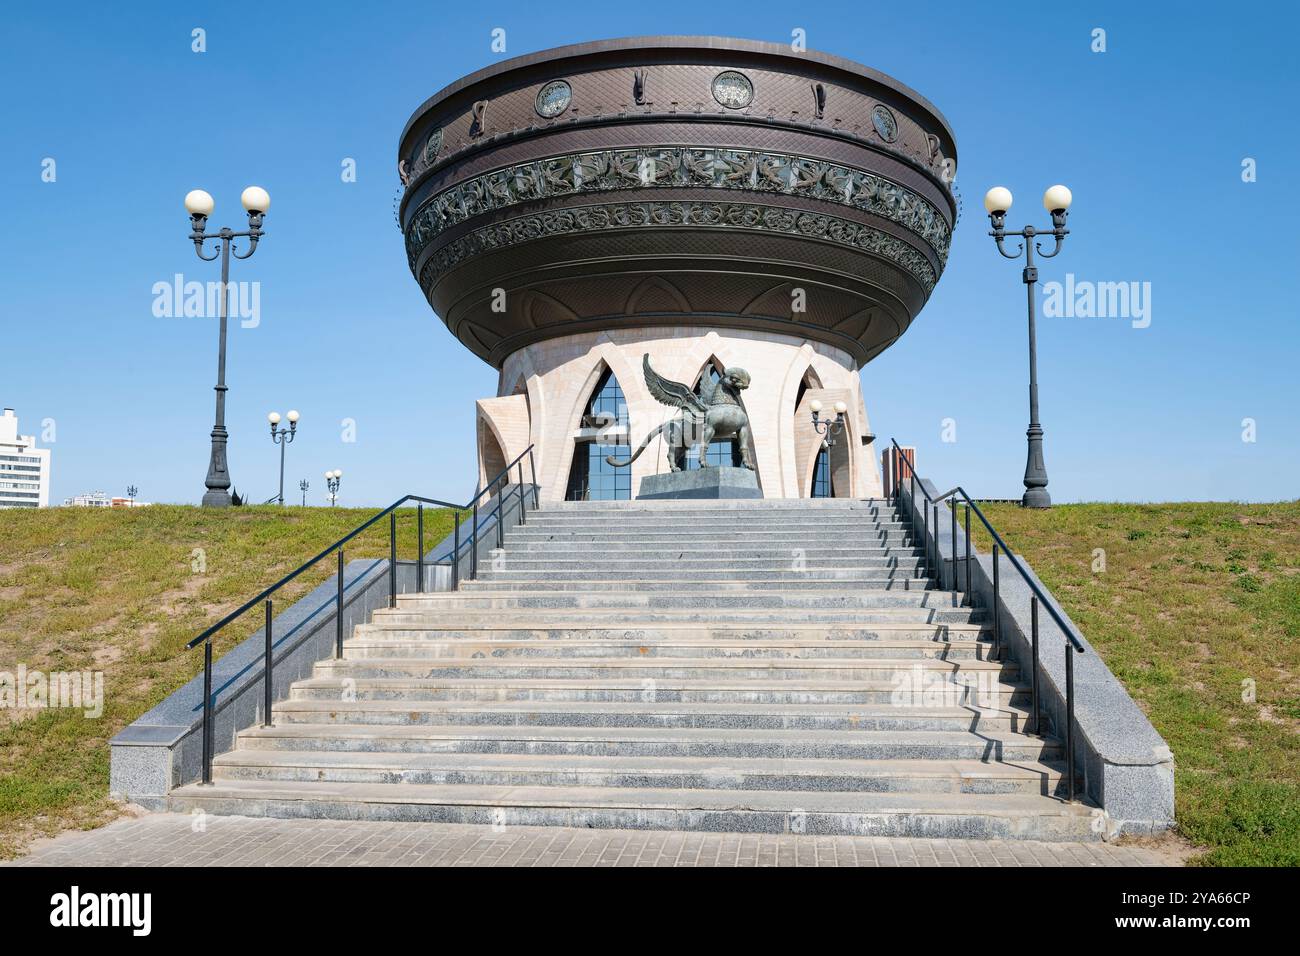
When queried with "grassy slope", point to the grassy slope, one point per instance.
{"points": [[1194, 600], [115, 590]]}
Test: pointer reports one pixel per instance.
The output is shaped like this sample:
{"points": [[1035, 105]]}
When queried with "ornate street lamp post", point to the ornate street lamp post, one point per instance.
{"points": [[282, 437], [303, 486], [1057, 201], [199, 205], [332, 479], [828, 428], [131, 492]]}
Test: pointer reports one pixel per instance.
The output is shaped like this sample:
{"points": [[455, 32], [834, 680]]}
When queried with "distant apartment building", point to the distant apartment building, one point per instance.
{"points": [[24, 468], [94, 500], [98, 499]]}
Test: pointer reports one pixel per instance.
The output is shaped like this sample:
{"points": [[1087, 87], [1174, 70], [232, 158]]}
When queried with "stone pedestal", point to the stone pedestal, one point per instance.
{"points": [[702, 483]]}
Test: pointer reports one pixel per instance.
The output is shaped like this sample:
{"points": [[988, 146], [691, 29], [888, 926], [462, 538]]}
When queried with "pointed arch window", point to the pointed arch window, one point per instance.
{"points": [[821, 482], [602, 431]]}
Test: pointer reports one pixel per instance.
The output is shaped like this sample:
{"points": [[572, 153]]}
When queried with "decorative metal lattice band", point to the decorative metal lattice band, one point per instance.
{"points": [[680, 213], [717, 168]]}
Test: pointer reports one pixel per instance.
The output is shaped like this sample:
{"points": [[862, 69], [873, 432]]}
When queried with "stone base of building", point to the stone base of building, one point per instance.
{"points": [[546, 389], [701, 483]]}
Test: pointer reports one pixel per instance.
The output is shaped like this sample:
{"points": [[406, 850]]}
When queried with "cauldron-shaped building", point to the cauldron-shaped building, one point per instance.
{"points": [[711, 202]]}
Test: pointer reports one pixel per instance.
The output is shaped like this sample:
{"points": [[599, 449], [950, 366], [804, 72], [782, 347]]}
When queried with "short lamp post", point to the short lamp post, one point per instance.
{"points": [[199, 205], [282, 437], [332, 479], [1057, 202], [828, 428], [303, 486]]}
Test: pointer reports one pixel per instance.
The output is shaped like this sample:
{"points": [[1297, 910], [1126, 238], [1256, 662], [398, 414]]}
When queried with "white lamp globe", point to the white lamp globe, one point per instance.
{"points": [[338, 472], [997, 199], [199, 203], [841, 408], [273, 418], [329, 475], [1057, 198], [293, 415], [255, 199], [815, 405]]}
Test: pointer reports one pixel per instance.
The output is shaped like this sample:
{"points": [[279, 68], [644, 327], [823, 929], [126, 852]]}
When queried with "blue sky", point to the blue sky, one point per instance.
{"points": [[1150, 135]]}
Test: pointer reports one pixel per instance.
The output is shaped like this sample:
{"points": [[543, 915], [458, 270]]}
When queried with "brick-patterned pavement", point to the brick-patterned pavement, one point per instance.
{"points": [[175, 839]]}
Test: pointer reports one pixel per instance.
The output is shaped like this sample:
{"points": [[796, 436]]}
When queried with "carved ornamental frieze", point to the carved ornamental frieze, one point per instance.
{"points": [[709, 167], [734, 215]]}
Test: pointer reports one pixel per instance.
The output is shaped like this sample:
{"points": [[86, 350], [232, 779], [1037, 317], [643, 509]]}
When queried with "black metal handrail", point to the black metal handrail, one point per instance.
{"points": [[1074, 643], [264, 596]]}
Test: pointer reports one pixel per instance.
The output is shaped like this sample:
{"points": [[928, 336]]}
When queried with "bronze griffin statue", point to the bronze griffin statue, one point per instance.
{"points": [[715, 413]]}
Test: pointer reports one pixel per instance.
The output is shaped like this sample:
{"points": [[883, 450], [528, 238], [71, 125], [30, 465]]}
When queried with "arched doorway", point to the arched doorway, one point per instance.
{"points": [[601, 432]]}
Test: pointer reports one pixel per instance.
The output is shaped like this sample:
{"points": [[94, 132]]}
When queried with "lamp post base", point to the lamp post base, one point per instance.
{"points": [[1036, 498], [215, 498]]}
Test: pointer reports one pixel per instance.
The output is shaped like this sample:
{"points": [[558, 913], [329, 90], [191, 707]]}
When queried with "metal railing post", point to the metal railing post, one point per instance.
{"points": [[266, 670], [207, 712], [1033, 678], [925, 536], [419, 539], [952, 506], [911, 504], [473, 545], [523, 516], [455, 555], [501, 494], [938, 555], [532, 471], [997, 613], [338, 613], [969, 599], [1069, 721], [392, 559]]}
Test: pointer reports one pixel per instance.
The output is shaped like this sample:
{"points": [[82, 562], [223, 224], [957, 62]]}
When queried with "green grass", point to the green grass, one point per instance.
{"points": [[1195, 600], [122, 591]]}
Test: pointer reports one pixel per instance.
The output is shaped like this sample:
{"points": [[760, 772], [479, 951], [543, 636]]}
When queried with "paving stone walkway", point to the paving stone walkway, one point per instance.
{"points": [[175, 839]]}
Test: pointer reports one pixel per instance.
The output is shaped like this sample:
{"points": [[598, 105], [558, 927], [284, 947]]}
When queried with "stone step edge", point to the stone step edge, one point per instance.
{"points": [[1015, 806], [564, 763]]}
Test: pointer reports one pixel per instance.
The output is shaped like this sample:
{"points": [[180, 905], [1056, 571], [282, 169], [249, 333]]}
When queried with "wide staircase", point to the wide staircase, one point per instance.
{"points": [[758, 666]]}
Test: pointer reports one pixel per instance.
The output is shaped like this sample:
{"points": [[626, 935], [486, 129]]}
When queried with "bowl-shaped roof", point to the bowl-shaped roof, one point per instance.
{"points": [[665, 180]]}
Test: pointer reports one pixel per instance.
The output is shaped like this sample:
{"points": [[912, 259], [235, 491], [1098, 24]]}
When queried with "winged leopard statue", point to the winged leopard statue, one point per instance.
{"points": [[716, 413]]}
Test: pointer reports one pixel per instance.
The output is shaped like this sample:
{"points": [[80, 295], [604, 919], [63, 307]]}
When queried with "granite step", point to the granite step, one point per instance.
{"points": [[577, 618], [420, 664], [350, 696], [938, 815], [792, 561], [746, 505], [667, 551], [698, 600], [670, 572], [719, 532], [702, 728], [624, 771], [711, 633], [426, 644], [629, 585], [737, 538]]}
